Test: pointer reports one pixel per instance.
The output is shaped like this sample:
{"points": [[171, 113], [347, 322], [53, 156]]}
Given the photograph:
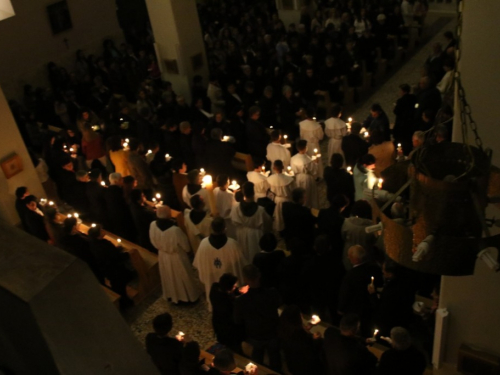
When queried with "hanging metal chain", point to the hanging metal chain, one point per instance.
{"points": [[465, 109]]}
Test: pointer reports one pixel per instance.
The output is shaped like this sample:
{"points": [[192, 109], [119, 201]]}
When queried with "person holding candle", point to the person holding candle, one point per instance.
{"points": [[34, 218], [281, 186], [118, 211], [377, 123], [298, 220], [112, 262], [194, 187], [339, 181], [353, 296], [364, 176], [404, 125], [165, 351], [21, 193], [95, 194], [224, 201], [142, 216], [276, 151], [178, 279], [118, 155], [306, 171], [268, 260], [347, 353], [353, 145], [256, 134], [251, 221], [197, 222], [259, 179], [384, 153], [139, 168], [335, 129], [218, 254], [312, 132]]}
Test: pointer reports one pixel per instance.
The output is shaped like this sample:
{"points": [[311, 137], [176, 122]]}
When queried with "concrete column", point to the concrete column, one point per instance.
{"points": [[12, 143], [179, 42]]}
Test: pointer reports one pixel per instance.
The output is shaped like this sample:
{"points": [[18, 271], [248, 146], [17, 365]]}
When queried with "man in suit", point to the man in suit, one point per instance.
{"points": [[95, 195], [256, 134], [354, 297], [346, 353], [299, 221], [378, 123], [119, 216], [268, 260], [66, 179], [257, 311], [35, 223], [353, 146], [428, 98], [405, 118]]}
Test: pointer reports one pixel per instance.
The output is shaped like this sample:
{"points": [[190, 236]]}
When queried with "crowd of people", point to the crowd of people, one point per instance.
{"points": [[126, 134]]}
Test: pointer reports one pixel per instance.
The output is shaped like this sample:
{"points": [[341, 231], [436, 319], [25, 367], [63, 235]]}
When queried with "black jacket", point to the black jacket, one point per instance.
{"points": [[339, 181], [353, 148], [35, 224], [268, 264], [118, 213], [397, 362], [166, 353], [95, 195], [404, 126], [299, 223], [257, 138]]}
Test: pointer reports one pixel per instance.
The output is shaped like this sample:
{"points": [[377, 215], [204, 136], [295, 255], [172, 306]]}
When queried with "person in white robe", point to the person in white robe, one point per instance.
{"points": [[259, 179], [251, 222], [178, 279], [218, 254], [312, 132], [335, 130], [194, 188], [277, 151], [305, 169], [364, 176], [281, 186], [224, 202], [197, 222]]}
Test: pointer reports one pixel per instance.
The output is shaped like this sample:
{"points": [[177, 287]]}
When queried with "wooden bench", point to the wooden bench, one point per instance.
{"points": [[241, 362]]}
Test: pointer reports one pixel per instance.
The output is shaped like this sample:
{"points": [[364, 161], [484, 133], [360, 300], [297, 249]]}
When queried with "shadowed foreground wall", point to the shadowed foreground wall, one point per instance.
{"points": [[54, 316]]}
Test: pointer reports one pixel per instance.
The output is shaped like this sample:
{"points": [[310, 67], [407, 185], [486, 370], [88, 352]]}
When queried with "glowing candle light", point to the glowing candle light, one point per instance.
{"points": [[180, 336], [380, 182], [315, 150], [154, 199], [51, 203], [93, 225], [366, 134], [76, 215], [71, 149], [285, 136], [150, 152], [315, 319], [202, 171], [373, 279], [375, 333], [225, 138], [103, 183], [158, 196], [127, 140], [119, 240], [349, 169], [349, 119], [125, 144], [289, 168], [250, 367], [69, 216]]}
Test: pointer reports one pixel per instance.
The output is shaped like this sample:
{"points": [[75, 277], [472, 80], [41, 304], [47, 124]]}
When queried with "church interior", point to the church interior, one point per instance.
{"points": [[257, 187]]}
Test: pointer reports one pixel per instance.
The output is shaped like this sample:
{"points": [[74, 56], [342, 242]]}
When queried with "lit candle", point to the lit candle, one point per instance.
{"points": [[180, 336], [263, 168], [167, 157], [400, 148], [202, 171], [93, 225], [225, 138], [233, 182], [125, 145], [76, 215], [349, 119], [65, 147], [315, 319], [119, 240], [373, 279], [103, 183], [349, 169], [380, 182], [127, 140], [271, 127], [375, 333], [154, 199], [366, 134], [314, 118], [43, 201], [289, 168], [69, 216], [121, 119], [150, 152], [250, 367], [71, 149], [315, 150], [158, 196], [285, 137], [51, 203]]}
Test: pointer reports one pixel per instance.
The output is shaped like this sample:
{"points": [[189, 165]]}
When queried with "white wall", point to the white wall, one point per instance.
{"points": [[474, 301], [10, 142], [27, 43]]}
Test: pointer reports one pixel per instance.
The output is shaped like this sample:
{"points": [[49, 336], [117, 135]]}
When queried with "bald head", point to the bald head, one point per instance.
{"points": [[356, 254]]}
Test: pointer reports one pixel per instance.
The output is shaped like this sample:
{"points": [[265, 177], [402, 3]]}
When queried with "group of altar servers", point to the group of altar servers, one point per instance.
{"points": [[226, 241]]}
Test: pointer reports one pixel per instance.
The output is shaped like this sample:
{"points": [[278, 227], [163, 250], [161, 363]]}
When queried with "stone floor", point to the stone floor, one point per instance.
{"points": [[194, 320]]}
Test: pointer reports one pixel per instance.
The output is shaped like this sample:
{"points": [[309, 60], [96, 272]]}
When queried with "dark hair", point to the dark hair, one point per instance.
{"points": [[336, 109], [20, 191], [322, 244], [193, 176], [337, 161], [257, 161], [114, 143], [190, 355], [391, 267], [251, 272], [362, 209], [278, 164], [376, 108], [227, 281], [248, 189], [301, 145], [162, 324], [136, 195], [29, 199], [224, 360], [405, 87], [94, 174], [298, 194], [238, 196], [94, 232], [196, 202], [68, 224], [349, 323], [275, 135], [367, 159], [50, 213], [128, 180], [134, 144], [222, 180], [310, 112], [218, 225], [253, 110], [268, 242]]}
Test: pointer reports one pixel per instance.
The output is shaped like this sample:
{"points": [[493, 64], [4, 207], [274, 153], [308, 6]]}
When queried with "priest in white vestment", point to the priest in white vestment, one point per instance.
{"points": [[259, 179], [277, 151], [194, 188], [218, 254], [197, 222], [312, 132], [335, 130], [281, 186], [364, 176], [251, 222], [306, 171], [224, 202], [178, 279]]}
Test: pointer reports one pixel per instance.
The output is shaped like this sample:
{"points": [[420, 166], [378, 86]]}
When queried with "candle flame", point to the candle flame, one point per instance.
{"points": [[76, 215], [103, 183], [350, 119], [119, 240], [158, 195], [125, 144], [93, 225], [51, 203]]}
